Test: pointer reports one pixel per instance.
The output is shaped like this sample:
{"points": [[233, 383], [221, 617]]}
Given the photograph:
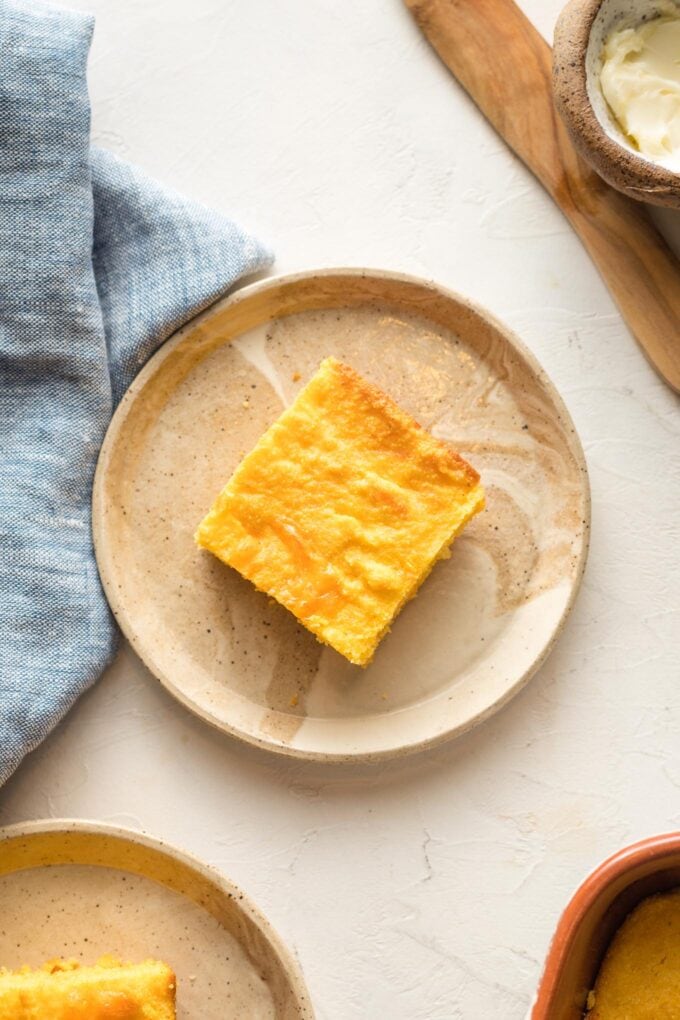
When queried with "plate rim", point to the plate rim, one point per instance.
{"points": [[117, 422], [242, 901]]}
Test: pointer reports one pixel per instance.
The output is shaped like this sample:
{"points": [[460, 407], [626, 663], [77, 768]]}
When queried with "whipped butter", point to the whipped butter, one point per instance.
{"points": [[640, 79]]}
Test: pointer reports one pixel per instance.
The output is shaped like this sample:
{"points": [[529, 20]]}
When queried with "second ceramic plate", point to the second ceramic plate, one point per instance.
{"points": [[484, 619], [82, 890]]}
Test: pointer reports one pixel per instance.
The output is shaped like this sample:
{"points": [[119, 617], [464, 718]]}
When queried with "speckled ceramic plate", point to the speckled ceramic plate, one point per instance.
{"points": [[484, 619], [80, 889]]}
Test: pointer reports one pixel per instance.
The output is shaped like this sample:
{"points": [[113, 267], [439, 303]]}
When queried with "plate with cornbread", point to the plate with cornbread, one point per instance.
{"points": [[342, 515], [100, 922]]}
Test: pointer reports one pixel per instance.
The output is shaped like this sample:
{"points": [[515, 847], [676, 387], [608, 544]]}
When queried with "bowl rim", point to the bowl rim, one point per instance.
{"points": [[624, 169], [613, 867]]}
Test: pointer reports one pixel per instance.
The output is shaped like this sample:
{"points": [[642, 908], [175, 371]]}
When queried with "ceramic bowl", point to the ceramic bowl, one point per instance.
{"points": [[579, 36], [593, 915]]}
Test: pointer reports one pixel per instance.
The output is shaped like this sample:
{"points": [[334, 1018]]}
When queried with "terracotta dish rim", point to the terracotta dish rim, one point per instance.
{"points": [[615, 866]]}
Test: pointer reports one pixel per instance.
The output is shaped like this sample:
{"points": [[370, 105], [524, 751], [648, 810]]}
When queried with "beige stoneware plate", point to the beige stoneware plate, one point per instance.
{"points": [[485, 618], [80, 889]]}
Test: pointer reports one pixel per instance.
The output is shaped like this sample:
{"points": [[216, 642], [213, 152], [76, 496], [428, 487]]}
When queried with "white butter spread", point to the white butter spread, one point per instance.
{"points": [[640, 79]]}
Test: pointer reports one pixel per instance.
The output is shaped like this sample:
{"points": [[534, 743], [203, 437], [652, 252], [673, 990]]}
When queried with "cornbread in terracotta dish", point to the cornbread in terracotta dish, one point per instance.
{"points": [[342, 509], [108, 990], [640, 976]]}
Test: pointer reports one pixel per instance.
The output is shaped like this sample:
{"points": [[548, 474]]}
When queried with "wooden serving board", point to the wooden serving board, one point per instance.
{"points": [[505, 65]]}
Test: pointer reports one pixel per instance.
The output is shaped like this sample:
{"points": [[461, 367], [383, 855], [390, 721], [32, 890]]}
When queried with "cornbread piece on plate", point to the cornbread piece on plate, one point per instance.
{"points": [[640, 976], [109, 990], [342, 509]]}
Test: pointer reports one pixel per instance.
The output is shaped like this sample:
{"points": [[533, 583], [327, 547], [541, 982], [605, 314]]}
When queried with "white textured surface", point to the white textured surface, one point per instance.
{"points": [[426, 888]]}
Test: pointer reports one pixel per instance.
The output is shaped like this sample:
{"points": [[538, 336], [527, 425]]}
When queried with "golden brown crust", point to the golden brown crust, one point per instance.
{"points": [[355, 385], [107, 990]]}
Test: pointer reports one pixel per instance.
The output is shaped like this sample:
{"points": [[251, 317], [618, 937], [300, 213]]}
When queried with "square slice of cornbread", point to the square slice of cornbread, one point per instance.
{"points": [[66, 990], [342, 509]]}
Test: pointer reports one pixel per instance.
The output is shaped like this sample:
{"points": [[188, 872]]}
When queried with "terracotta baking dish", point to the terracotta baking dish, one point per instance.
{"points": [[590, 920]]}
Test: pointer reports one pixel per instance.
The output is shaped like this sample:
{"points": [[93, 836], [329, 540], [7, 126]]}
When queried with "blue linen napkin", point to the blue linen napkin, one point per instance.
{"points": [[98, 266]]}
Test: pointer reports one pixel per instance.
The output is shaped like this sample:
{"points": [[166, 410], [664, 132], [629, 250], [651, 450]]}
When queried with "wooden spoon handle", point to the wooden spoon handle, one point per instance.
{"points": [[501, 60]]}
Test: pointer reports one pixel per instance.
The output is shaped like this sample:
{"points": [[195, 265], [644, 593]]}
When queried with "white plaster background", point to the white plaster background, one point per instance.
{"points": [[428, 887]]}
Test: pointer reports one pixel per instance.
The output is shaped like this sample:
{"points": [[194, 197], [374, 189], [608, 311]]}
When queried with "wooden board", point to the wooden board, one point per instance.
{"points": [[505, 65]]}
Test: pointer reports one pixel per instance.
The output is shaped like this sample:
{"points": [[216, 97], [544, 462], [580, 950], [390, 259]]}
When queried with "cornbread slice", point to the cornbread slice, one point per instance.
{"points": [[109, 990], [640, 976], [342, 509]]}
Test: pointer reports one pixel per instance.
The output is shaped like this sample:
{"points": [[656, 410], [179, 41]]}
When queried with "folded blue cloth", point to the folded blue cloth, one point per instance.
{"points": [[98, 266]]}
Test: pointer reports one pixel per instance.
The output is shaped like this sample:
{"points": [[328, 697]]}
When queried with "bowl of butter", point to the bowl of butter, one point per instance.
{"points": [[616, 81]]}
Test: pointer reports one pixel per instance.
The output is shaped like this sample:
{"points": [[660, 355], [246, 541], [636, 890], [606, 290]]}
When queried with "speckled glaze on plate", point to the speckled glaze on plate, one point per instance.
{"points": [[81, 889], [484, 619]]}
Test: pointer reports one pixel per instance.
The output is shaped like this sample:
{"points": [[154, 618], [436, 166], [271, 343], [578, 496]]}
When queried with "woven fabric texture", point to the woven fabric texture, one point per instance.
{"points": [[98, 266]]}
